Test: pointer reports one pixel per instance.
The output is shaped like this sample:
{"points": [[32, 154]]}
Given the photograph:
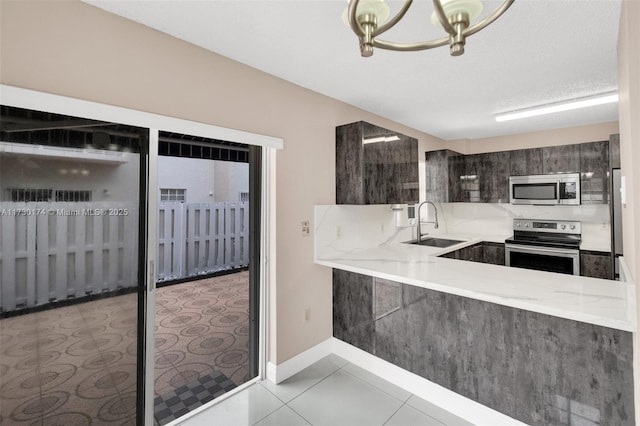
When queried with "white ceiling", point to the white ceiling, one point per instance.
{"points": [[538, 52]]}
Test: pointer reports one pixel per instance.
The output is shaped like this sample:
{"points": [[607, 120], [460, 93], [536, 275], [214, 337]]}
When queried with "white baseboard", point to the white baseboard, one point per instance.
{"points": [[456, 404], [450, 401], [284, 370]]}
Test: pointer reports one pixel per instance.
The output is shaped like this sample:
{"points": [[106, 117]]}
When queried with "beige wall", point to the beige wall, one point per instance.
{"points": [[629, 88], [76, 50], [567, 136]]}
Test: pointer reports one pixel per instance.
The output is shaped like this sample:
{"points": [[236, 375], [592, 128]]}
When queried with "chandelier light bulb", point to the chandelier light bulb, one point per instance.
{"points": [[378, 8], [472, 8], [369, 19]]}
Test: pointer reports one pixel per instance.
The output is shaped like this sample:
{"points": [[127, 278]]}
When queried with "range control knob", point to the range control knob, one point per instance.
{"points": [[572, 227], [526, 225], [518, 224], [563, 226]]}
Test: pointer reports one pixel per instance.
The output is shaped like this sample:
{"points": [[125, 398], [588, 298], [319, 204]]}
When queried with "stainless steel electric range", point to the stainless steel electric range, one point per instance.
{"points": [[545, 245]]}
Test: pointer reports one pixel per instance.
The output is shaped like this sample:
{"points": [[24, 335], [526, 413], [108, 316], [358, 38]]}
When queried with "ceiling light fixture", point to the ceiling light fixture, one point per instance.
{"points": [[370, 18], [605, 98]]}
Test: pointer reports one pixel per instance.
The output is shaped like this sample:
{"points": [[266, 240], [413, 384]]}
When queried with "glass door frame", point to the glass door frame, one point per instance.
{"points": [[46, 102]]}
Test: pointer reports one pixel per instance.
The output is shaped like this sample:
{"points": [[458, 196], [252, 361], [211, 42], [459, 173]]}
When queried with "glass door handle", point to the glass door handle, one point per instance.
{"points": [[152, 276]]}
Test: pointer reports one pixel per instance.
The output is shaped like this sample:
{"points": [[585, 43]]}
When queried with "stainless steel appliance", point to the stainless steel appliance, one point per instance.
{"points": [[562, 188], [616, 222], [545, 245]]}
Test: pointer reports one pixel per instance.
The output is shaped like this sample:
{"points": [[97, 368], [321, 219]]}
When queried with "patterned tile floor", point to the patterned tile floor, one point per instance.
{"points": [[76, 365]]}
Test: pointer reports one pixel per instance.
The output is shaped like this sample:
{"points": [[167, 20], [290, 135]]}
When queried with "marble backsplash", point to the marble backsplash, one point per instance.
{"points": [[341, 228]]}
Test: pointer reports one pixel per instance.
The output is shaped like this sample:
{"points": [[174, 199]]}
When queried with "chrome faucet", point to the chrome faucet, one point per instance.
{"points": [[435, 218]]}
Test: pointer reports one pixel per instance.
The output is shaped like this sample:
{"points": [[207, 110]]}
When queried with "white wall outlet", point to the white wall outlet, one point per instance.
{"points": [[338, 232], [307, 315], [305, 228]]}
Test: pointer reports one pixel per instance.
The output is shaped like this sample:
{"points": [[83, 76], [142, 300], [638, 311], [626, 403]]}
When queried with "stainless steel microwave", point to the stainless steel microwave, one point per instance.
{"points": [[558, 189]]}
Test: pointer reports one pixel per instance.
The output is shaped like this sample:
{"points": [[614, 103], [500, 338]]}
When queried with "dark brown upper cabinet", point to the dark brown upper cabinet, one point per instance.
{"points": [[478, 178], [524, 162], [594, 172], [485, 177], [375, 165], [439, 184], [561, 159]]}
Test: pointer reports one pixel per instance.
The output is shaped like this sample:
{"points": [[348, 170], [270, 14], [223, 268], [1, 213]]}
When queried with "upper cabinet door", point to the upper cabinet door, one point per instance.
{"points": [[494, 177], [594, 172], [561, 159], [375, 165], [349, 153], [524, 162]]}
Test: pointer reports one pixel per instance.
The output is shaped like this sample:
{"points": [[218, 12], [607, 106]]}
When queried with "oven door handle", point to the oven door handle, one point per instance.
{"points": [[534, 250]]}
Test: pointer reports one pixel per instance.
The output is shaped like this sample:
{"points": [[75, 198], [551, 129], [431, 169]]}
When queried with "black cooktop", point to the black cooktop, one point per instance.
{"points": [[543, 239]]}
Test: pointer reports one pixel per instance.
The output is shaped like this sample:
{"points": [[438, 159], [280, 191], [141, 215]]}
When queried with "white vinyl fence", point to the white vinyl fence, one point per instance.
{"points": [[54, 251], [196, 239]]}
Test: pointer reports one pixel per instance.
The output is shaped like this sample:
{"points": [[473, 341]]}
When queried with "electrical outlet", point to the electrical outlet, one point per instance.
{"points": [[338, 232], [305, 228], [307, 315], [382, 228]]}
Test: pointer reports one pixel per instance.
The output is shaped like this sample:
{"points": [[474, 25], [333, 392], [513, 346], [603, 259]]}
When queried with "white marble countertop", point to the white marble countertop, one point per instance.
{"points": [[596, 301]]}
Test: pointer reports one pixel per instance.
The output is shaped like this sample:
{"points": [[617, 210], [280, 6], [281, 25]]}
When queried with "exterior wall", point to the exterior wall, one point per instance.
{"points": [[205, 181], [230, 180], [108, 182], [76, 50]]}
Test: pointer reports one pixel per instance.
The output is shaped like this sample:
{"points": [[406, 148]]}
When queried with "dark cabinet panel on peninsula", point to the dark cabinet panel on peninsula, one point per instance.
{"points": [[536, 368], [375, 165]]}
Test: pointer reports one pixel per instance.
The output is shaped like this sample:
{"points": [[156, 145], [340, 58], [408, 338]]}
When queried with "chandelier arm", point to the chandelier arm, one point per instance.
{"points": [[437, 6], [390, 23], [488, 19], [411, 47], [353, 21]]}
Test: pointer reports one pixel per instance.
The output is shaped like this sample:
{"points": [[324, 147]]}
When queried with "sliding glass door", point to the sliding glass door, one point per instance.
{"points": [[91, 232], [71, 269], [204, 316]]}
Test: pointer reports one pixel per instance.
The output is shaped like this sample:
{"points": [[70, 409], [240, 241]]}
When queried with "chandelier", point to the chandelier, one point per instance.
{"points": [[370, 18]]}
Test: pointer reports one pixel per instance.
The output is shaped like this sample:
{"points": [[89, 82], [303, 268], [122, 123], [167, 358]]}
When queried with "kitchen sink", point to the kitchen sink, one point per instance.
{"points": [[436, 242]]}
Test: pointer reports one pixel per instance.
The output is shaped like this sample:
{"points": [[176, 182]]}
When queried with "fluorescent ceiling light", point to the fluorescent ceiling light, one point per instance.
{"points": [[605, 98], [381, 139]]}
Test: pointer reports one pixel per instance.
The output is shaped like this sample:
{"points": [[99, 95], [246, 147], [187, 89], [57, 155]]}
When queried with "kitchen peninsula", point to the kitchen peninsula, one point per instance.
{"points": [[540, 347]]}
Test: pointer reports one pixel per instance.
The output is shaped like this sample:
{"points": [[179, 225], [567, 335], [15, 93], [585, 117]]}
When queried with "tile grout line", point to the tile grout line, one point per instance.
{"points": [[394, 413], [284, 404], [379, 389]]}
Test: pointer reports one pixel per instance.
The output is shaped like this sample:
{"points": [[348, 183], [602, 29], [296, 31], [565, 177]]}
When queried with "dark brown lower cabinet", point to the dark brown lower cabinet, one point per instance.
{"points": [[484, 252], [595, 264]]}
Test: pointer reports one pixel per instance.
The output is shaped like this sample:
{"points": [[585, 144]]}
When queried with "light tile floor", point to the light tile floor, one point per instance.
{"points": [[329, 392]]}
